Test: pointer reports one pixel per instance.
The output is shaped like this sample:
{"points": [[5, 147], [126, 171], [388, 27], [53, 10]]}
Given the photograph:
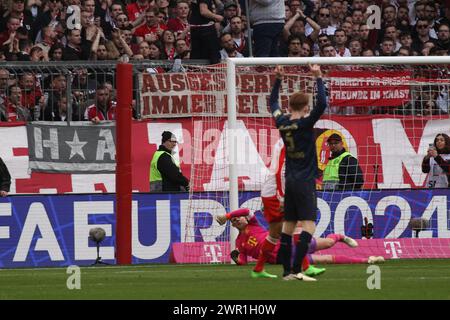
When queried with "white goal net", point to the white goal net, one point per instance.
{"points": [[387, 113]]}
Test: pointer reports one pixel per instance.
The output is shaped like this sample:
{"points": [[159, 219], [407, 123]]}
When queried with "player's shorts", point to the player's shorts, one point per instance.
{"points": [[272, 211], [300, 200]]}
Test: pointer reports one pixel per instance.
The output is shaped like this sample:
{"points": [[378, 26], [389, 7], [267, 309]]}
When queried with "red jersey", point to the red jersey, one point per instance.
{"points": [[92, 111], [31, 98], [177, 26], [14, 113], [250, 240], [134, 10], [145, 29]]}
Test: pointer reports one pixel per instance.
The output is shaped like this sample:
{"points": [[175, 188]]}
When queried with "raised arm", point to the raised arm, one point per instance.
{"points": [[321, 98], [274, 105], [242, 212]]}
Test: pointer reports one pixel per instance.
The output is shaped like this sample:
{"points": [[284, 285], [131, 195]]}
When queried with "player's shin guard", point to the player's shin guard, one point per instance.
{"points": [[301, 250], [266, 250], [284, 254]]}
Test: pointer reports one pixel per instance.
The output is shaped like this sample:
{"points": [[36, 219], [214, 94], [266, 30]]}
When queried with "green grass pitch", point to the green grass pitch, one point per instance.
{"points": [[400, 279]]}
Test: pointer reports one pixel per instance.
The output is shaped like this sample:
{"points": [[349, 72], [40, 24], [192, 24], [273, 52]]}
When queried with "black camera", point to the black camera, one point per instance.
{"points": [[367, 229]]}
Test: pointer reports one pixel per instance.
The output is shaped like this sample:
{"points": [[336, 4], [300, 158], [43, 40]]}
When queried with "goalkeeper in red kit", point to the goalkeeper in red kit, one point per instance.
{"points": [[252, 236], [272, 193]]}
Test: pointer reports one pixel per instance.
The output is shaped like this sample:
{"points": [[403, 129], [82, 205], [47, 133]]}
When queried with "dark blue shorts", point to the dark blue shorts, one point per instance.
{"points": [[300, 200]]}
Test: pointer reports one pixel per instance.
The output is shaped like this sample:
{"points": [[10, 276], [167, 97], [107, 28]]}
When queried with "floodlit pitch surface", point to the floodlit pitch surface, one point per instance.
{"points": [[400, 279]]}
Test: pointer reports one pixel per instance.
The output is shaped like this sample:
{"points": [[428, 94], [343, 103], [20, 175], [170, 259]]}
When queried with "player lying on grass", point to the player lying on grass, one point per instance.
{"points": [[251, 239], [252, 235]]}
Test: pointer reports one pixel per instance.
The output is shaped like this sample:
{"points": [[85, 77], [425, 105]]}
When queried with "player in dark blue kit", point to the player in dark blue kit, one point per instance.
{"points": [[300, 202]]}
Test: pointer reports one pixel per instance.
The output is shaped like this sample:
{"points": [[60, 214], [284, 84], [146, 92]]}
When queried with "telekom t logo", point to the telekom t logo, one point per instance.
{"points": [[393, 248], [214, 251]]}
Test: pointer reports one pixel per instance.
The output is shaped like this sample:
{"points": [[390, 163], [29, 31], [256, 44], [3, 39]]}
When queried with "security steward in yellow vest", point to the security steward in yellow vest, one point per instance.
{"points": [[342, 171], [165, 172]]}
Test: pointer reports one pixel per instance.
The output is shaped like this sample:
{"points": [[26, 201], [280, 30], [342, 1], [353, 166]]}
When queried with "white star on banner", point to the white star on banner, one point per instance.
{"points": [[76, 146]]}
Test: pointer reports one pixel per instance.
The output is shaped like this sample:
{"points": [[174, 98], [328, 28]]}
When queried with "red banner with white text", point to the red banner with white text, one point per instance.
{"points": [[364, 89], [198, 93]]}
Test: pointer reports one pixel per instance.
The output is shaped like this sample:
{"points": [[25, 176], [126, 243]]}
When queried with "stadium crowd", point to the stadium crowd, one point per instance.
{"points": [[210, 30]]}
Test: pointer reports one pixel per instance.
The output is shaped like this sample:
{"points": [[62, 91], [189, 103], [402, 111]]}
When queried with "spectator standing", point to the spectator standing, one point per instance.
{"points": [[422, 35], [13, 110], [58, 86], [10, 32], [32, 97], [393, 33], [239, 37], [340, 39], [137, 8], [355, 47], [387, 47], [443, 41], [180, 24], [336, 9], [152, 29], [229, 47], [267, 18], [103, 109], [323, 20], [437, 162], [181, 49], [204, 41], [48, 39], [56, 51], [230, 10], [4, 78], [389, 16], [5, 179], [76, 49], [165, 172], [168, 44], [342, 171], [294, 46]]}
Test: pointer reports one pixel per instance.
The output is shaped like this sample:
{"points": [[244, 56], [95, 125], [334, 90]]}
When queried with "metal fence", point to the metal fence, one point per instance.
{"points": [[72, 85]]}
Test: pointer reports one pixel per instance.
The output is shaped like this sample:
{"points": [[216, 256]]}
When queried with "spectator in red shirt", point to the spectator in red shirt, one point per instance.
{"points": [[104, 109], [168, 44], [14, 111], [152, 30], [89, 6], [239, 38], [31, 95], [138, 7], [181, 48], [12, 26], [180, 24]]}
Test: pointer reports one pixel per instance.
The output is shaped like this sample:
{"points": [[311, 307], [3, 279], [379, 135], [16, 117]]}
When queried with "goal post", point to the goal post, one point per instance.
{"points": [[232, 118]]}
